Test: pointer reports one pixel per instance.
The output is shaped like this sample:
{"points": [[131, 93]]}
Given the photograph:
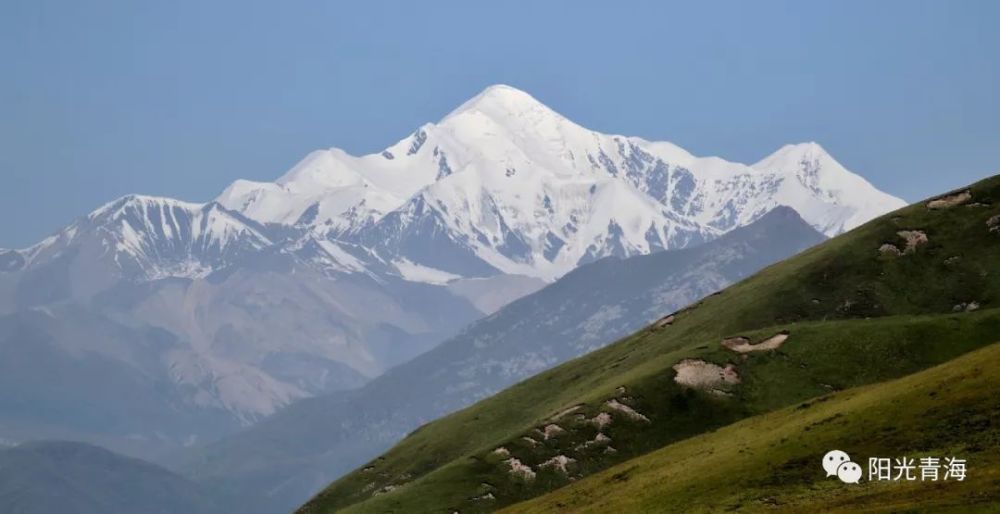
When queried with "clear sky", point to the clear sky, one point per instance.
{"points": [[100, 99]]}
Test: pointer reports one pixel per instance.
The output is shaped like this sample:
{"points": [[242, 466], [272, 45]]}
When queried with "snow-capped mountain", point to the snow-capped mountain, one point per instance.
{"points": [[346, 266], [503, 184], [146, 238]]}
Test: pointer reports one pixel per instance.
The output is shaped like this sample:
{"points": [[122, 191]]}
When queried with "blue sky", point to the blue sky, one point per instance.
{"points": [[101, 99]]}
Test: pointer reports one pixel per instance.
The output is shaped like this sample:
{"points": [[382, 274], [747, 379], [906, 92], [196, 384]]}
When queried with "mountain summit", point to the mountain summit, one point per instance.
{"points": [[501, 101], [508, 185]]}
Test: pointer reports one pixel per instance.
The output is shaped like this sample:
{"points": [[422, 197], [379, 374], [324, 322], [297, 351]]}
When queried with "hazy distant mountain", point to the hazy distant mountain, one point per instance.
{"points": [[300, 449], [196, 315], [222, 313], [75, 478]]}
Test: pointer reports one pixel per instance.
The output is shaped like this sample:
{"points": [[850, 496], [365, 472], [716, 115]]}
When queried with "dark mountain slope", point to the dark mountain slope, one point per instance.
{"points": [[75, 478]]}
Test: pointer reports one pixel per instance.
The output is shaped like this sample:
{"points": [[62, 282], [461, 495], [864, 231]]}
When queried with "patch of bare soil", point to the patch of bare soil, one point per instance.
{"points": [[502, 452], [743, 345], [914, 238], [948, 201], [704, 375]]}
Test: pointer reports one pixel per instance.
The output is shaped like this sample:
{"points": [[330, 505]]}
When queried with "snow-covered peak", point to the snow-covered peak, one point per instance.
{"points": [[501, 102], [792, 154], [507, 128], [146, 237], [122, 205], [322, 169], [151, 216], [814, 168], [506, 184], [834, 199], [812, 164]]}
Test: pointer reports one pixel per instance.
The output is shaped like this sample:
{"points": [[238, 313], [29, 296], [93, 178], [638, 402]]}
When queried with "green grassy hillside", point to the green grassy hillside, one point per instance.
{"points": [[861, 308], [772, 461]]}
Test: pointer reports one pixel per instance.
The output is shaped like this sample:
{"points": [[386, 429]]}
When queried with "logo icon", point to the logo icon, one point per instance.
{"points": [[849, 472], [837, 463]]}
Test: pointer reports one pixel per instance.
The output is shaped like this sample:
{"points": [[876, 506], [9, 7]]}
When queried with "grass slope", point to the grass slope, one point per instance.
{"points": [[854, 316], [772, 461]]}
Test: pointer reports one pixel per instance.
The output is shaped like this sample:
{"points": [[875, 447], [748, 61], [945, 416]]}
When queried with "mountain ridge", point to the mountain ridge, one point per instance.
{"points": [[515, 153], [516, 188]]}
